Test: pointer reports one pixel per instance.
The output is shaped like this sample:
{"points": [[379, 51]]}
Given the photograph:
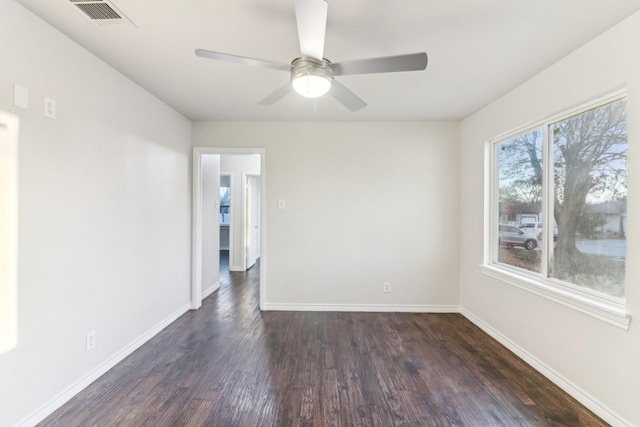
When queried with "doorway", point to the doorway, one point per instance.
{"points": [[201, 156]]}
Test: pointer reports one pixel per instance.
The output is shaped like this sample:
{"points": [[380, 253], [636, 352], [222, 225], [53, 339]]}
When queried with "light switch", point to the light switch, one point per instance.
{"points": [[281, 204], [20, 97]]}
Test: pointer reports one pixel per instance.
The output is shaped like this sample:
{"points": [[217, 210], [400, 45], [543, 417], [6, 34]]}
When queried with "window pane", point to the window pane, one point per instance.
{"points": [[520, 201], [225, 203], [590, 198]]}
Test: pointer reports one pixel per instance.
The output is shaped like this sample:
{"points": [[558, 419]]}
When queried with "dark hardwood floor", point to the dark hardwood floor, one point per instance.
{"points": [[228, 364]]}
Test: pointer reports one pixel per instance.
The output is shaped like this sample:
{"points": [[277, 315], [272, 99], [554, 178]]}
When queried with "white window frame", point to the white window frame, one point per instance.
{"points": [[607, 308]]}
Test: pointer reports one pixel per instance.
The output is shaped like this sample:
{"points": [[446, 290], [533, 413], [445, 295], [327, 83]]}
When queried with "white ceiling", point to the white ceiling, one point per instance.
{"points": [[478, 50]]}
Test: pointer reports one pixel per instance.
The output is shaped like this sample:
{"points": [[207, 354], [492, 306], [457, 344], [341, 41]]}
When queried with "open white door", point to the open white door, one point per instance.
{"points": [[252, 219], [8, 232]]}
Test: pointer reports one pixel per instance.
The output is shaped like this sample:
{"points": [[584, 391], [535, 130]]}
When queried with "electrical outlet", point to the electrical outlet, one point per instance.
{"points": [[49, 108], [91, 340], [386, 287]]}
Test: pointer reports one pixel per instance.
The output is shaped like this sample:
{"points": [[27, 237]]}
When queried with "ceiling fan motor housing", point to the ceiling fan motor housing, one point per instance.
{"points": [[310, 77]]}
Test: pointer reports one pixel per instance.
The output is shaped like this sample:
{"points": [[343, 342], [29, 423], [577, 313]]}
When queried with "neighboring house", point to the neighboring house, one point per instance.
{"points": [[609, 218], [516, 214]]}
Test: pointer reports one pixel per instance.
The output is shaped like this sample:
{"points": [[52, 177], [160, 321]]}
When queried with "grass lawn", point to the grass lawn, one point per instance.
{"points": [[600, 273]]}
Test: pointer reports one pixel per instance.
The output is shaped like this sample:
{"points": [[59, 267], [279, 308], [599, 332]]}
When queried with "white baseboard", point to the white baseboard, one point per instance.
{"points": [[574, 391], [236, 268], [55, 403], [364, 308], [210, 290]]}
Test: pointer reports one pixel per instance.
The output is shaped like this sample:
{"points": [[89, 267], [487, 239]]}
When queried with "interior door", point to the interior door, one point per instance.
{"points": [[252, 222]]}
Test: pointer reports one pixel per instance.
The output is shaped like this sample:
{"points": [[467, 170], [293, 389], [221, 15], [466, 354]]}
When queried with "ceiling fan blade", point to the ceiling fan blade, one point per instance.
{"points": [[346, 97], [385, 64], [311, 16], [277, 95], [242, 60]]}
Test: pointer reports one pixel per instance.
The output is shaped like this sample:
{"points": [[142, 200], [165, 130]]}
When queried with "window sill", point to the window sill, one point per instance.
{"points": [[600, 308]]}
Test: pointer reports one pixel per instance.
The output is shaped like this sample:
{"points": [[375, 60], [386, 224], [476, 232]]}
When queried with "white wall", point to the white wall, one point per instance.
{"points": [[365, 203], [235, 165], [104, 214], [601, 361]]}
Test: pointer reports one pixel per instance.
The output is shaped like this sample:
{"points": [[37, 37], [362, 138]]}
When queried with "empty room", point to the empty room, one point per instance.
{"points": [[319, 213]]}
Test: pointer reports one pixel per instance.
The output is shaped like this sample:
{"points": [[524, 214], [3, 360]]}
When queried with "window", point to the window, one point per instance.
{"points": [[519, 164], [590, 198], [225, 205], [558, 194]]}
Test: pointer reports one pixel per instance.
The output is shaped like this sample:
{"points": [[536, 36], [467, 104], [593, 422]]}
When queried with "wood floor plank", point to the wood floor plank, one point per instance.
{"points": [[228, 364]]}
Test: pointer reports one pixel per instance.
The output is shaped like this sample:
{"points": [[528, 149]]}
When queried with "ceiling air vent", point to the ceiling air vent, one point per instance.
{"points": [[101, 12]]}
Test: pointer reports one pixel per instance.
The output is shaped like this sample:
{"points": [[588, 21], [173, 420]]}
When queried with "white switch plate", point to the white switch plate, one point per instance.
{"points": [[49, 108], [281, 204], [20, 96]]}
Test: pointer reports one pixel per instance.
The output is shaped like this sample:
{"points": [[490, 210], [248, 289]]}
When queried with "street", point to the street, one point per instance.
{"points": [[614, 248]]}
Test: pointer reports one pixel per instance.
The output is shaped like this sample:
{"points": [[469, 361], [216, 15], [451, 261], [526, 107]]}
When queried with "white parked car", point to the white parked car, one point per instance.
{"points": [[535, 229], [531, 228]]}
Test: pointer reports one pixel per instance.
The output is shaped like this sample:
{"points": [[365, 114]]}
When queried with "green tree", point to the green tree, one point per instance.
{"points": [[589, 223]]}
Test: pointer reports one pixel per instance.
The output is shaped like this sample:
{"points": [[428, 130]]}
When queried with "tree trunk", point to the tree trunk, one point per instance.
{"points": [[578, 182]]}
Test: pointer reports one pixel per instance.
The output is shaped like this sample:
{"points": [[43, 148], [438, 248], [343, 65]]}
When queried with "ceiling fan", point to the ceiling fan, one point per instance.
{"points": [[311, 74]]}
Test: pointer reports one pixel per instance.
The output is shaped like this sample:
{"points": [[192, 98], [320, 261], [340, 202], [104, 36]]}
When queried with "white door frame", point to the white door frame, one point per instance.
{"points": [[196, 227]]}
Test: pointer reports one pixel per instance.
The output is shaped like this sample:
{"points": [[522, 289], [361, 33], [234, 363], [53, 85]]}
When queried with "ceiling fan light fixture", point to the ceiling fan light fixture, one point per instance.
{"points": [[311, 79], [311, 86]]}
